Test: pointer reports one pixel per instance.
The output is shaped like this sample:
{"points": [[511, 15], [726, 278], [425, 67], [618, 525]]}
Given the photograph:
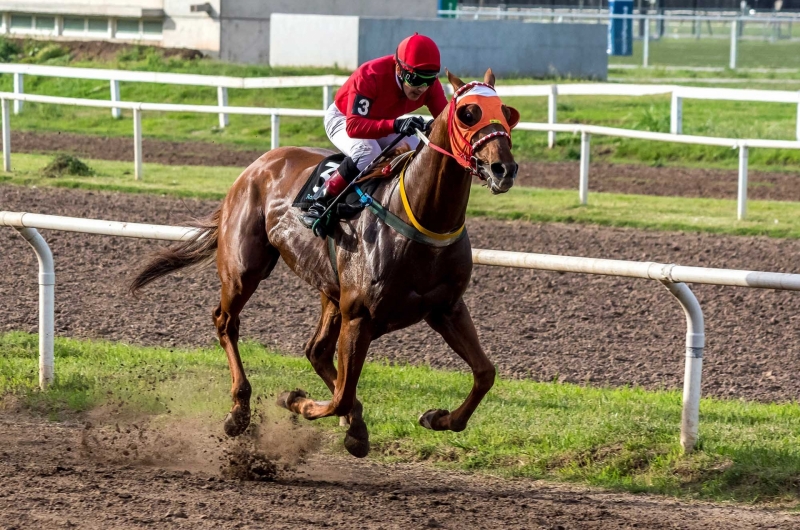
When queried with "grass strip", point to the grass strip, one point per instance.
{"points": [[714, 52], [623, 438], [770, 218]]}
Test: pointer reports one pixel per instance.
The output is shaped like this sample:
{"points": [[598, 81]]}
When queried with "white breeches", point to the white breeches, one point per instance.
{"points": [[360, 150]]}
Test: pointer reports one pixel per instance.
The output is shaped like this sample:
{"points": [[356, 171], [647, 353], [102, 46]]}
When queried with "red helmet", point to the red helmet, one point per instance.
{"points": [[418, 53]]}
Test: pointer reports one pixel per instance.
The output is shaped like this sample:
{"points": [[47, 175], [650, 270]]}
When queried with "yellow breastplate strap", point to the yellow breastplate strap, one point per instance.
{"points": [[413, 219]]}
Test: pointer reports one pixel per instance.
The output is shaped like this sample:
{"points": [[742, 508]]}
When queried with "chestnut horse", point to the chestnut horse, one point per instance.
{"points": [[380, 281]]}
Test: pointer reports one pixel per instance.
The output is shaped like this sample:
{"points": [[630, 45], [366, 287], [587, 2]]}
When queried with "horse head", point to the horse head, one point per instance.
{"points": [[479, 131]]}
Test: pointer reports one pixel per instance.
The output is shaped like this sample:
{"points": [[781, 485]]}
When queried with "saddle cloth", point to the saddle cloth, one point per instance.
{"points": [[347, 208]]}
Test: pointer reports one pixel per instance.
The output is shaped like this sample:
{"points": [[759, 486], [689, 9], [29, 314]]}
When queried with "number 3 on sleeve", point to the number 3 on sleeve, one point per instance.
{"points": [[361, 105]]}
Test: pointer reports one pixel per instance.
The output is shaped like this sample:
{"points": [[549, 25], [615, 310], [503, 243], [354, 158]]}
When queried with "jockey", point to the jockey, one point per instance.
{"points": [[365, 116]]}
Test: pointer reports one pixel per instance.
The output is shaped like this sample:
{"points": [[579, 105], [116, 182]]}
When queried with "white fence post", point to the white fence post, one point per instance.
{"points": [[222, 101], [734, 42], [327, 94], [693, 371], [275, 125], [798, 116], [116, 113], [137, 144], [47, 281], [552, 107], [6, 136], [584, 184], [19, 88], [676, 115], [646, 52], [742, 196]]}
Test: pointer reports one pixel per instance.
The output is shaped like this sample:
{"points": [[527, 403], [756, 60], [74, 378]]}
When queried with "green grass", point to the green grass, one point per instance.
{"points": [[729, 119], [771, 218], [715, 52], [202, 182], [624, 438]]}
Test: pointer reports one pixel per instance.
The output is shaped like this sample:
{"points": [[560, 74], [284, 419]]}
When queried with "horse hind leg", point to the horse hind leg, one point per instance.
{"points": [[353, 341], [240, 271], [320, 350]]}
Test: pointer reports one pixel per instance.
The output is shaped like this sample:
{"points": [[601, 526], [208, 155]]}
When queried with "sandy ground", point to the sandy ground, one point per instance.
{"points": [[74, 475]]}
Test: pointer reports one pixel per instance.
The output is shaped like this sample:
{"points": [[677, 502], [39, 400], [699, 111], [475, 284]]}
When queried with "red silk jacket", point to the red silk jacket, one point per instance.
{"points": [[372, 98]]}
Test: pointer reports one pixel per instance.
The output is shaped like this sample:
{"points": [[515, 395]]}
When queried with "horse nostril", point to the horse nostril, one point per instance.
{"points": [[499, 169]]}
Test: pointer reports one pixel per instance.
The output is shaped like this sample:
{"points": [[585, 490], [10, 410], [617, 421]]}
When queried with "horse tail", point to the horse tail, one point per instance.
{"points": [[199, 249]]}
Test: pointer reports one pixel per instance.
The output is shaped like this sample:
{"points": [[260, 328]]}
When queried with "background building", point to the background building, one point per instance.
{"points": [[233, 30]]}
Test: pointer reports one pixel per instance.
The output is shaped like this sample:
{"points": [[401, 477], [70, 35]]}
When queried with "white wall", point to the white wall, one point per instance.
{"points": [[263, 8], [245, 24], [468, 47], [326, 41], [508, 47], [184, 29]]}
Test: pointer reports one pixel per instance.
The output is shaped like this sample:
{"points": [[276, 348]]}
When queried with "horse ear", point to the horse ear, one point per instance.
{"points": [[512, 116], [488, 77], [455, 81]]}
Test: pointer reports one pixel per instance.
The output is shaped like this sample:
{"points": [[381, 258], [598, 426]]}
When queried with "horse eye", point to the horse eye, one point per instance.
{"points": [[468, 116]]}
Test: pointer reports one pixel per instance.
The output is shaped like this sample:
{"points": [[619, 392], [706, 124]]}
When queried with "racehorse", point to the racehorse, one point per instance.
{"points": [[372, 279]]}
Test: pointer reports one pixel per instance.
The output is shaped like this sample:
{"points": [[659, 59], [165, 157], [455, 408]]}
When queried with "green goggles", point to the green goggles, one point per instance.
{"points": [[417, 78]]}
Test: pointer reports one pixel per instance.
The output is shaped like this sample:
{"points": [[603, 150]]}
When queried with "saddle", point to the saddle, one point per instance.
{"points": [[351, 205]]}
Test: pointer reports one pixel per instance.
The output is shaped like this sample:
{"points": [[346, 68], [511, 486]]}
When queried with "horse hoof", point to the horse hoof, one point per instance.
{"points": [[431, 419], [285, 400], [356, 441], [236, 422]]}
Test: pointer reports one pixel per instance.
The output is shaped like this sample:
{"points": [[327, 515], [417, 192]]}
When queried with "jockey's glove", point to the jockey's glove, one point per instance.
{"points": [[407, 126]]}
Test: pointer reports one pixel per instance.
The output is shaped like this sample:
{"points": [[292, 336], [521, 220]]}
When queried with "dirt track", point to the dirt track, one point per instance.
{"points": [[68, 475]]}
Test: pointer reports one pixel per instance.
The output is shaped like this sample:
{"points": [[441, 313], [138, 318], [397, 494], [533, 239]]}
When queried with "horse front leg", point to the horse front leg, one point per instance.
{"points": [[456, 327], [354, 340]]}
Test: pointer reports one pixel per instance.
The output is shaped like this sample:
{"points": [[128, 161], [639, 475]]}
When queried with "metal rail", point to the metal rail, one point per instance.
{"points": [[672, 276], [222, 83]]}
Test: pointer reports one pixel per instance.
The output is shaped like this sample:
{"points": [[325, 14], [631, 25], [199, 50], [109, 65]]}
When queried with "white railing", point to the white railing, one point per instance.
{"points": [[679, 93], [328, 82], [734, 143], [222, 83], [674, 278], [137, 108], [551, 128]]}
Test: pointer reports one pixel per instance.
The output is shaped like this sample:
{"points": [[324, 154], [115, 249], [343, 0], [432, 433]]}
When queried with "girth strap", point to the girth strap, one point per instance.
{"points": [[332, 256]]}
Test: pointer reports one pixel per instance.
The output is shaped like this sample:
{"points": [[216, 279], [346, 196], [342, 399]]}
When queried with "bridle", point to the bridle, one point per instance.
{"points": [[462, 137], [463, 144]]}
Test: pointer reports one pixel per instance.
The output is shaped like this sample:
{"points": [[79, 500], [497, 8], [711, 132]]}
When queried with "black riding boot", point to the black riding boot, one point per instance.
{"points": [[332, 187], [321, 200]]}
